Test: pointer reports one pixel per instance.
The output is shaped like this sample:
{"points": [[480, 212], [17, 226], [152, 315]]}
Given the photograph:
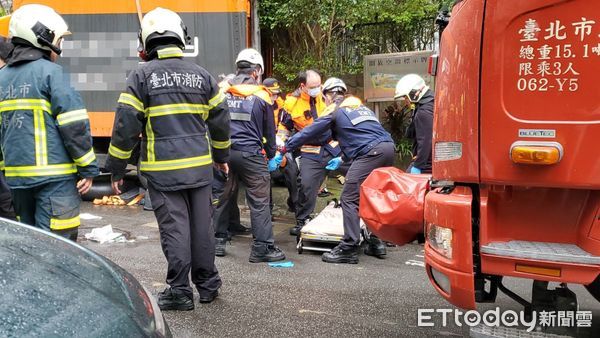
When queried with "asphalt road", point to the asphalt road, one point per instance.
{"points": [[312, 299]]}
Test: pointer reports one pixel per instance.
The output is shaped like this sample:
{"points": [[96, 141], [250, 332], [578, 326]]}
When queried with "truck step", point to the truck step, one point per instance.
{"points": [[482, 331], [553, 252]]}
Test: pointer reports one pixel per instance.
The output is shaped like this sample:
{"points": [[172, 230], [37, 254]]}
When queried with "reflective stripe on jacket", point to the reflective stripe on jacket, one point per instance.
{"points": [[175, 105], [44, 130]]}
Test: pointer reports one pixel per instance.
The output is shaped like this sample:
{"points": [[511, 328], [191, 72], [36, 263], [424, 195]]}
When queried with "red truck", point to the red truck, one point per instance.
{"points": [[515, 190]]}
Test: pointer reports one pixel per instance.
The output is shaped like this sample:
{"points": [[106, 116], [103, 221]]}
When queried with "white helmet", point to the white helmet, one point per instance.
{"points": [[39, 25], [412, 86], [252, 56], [159, 23], [333, 83]]}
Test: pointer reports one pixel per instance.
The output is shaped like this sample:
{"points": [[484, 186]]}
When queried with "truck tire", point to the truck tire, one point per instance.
{"points": [[594, 288]]}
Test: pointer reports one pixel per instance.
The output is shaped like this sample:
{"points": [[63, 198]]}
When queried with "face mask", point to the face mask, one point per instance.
{"points": [[314, 92]]}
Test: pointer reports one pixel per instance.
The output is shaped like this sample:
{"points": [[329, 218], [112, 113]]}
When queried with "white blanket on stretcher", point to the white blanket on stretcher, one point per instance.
{"points": [[329, 222]]}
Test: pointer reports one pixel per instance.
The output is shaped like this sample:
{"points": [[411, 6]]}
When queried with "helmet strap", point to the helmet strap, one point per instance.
{"points": [[414, 94], [45, 37]]}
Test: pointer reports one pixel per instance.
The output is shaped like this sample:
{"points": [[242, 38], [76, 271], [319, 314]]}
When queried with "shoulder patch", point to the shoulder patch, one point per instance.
{"points": [[330, 109], [351, 102], [264, 95]]}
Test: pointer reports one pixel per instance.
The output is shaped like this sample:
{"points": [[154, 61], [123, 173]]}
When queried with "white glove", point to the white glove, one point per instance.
{"points": [[279, 142]]}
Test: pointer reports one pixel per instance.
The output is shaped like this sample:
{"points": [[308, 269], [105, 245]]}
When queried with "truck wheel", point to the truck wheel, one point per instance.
{"points": [[594, 288]]}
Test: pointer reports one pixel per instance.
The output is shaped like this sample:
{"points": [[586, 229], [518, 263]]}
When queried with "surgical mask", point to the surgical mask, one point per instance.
{"points": [[314, 92]]}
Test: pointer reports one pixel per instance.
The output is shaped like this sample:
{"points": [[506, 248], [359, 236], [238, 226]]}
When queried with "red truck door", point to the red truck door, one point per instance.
{"points": [[540, 91]]}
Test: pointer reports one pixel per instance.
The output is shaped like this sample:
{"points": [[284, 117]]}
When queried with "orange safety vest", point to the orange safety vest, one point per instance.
{"points": [[296, 105]]}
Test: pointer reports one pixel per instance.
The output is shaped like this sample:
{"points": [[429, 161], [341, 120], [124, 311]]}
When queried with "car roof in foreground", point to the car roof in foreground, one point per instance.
{"points": [[52, 286]]}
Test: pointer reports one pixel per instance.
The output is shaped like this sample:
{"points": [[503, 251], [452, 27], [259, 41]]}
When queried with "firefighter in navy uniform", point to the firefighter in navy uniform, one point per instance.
{"points": [[45, 131], [6, 205], [362, 140], [175, 105], [251, 113], [301, 108], [412, 92]]}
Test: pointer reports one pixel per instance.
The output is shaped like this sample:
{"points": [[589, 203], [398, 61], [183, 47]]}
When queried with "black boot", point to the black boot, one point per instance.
{"points": [[295, 231], [265, 253], [173, 299], [340, 254], [209, 297], [220, 246], [375, 247]]}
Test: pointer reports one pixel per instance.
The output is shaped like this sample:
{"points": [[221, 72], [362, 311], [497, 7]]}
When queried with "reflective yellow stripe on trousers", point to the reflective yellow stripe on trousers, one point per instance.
{"points": [[63, 224]]}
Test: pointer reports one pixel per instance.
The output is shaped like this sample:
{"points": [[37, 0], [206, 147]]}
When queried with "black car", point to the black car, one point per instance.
{"points": [[52, 287]]}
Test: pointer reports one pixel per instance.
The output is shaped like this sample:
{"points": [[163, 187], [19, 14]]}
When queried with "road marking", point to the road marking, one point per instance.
{"points": [[415, 263]]}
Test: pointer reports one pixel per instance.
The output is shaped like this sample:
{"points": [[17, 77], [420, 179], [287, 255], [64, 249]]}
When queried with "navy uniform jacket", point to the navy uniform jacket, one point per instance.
{"points": [[251, 113], [45, 130], [175, 105], [352, 124]]}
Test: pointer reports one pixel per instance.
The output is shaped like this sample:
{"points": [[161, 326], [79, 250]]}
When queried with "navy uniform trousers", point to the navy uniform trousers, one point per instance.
{"points": [[187, 238], [382, 155], [250, 169], [312, 174], [52, 206]]}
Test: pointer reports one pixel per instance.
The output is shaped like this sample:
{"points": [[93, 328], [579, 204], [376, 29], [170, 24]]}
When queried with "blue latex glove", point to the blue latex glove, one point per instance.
{"points": [[275, 162], [415, 170], [334, 163], [287, 264]]}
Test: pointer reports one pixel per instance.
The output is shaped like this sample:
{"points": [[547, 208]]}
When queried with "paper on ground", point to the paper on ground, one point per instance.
{"points": [[103, 235]]}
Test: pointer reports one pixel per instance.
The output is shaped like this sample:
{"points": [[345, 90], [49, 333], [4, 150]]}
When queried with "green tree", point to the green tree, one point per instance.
{"points": [[5, 6], [334, 35]]}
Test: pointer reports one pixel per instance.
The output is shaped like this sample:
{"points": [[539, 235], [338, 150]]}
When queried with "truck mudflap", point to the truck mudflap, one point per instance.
{"points": [[449, 244], [391, 204]]}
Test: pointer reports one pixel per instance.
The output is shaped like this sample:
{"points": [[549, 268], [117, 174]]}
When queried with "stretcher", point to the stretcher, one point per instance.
{"points": [[324, 231]]}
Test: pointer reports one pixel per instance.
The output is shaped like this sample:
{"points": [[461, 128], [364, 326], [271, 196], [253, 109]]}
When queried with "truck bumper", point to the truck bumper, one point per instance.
{"points": [[451, 269]]}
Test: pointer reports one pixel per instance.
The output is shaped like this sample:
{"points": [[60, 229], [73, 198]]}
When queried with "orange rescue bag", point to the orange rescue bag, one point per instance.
{"points": [[391, 204]]}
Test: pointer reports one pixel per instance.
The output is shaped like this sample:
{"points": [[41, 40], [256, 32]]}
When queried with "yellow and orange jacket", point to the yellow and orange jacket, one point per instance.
{"points": [[296, 115], [277, 110]]}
